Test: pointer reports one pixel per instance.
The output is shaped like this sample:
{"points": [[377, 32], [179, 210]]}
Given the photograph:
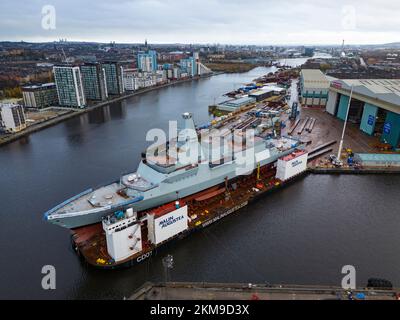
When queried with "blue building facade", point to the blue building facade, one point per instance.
{"points": [[189, 65], [368, 119], [391, 129], [147, 61]]}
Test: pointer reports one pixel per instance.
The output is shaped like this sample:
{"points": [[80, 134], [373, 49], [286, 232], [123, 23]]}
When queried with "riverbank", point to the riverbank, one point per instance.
{"points": [[231, 67], [77, 112]]}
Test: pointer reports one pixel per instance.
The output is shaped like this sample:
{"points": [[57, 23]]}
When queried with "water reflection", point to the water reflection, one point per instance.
{"points": [[118, 110], [24, 140], [99, 115]]}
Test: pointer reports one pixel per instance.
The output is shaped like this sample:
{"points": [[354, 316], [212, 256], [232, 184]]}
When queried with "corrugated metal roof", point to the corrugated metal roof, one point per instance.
{"points": [[258, 93], [240, 101], [314, 78], [386, 90], [269, 88]]}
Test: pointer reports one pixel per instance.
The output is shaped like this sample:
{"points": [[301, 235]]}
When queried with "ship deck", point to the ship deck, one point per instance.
{"points": [[104, 196]]}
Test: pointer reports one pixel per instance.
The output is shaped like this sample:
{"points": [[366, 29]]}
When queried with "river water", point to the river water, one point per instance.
{"points": [[302, 234]]}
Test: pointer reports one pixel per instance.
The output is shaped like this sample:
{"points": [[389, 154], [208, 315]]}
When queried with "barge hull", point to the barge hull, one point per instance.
{"points": [[147, 254]]}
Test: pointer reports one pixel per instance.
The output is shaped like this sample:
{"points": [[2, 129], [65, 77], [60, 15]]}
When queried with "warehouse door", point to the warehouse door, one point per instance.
{"points": [[368, 119], [342, 108], [356, 110], [332, 103], [391, 129]]}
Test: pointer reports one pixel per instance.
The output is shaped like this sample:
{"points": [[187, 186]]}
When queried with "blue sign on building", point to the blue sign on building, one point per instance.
{"points": [[371, 120], [387, 128]]}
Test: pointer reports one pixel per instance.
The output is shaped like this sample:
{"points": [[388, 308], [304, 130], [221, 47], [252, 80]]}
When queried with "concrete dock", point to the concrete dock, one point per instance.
{"points": [[349, 170], [247, 291]]}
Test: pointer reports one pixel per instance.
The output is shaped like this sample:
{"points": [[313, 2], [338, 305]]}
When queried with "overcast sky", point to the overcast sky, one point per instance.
{"points": [[204, 21]]}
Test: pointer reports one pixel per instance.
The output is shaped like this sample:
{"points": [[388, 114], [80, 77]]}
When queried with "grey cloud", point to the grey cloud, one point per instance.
{"points": [[207, 21]]}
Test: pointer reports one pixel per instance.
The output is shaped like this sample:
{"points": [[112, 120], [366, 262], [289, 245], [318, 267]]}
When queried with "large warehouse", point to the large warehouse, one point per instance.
{"points": [[314, 86], [375, 105]]}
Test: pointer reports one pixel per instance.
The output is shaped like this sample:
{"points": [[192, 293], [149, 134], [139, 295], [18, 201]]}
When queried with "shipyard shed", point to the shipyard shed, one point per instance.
{"points": [[314, 87], [235, 104], [375, 106], [274, 88], [377, 159], [261, 95], [266, 92]]}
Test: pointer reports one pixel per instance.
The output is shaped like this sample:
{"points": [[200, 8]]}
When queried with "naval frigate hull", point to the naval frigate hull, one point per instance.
{"points": [[79, 220], [222, 172]]}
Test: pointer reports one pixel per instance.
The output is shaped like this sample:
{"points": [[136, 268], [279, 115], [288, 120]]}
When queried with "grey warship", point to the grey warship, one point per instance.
{"points": [[161, 178]]}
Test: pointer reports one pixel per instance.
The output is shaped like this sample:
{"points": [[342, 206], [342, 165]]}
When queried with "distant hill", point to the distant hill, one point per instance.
{"points": [[391, 45]]}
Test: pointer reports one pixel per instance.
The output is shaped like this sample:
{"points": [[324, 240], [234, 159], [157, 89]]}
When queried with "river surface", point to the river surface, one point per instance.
{"points": [[302, 234]]}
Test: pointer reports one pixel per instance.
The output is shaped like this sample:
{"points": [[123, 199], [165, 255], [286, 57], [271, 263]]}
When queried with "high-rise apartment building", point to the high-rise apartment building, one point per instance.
{"points": [[114, 77], [69, 86], [94, 81], [147, 62], [40, 96], [12, 117]]}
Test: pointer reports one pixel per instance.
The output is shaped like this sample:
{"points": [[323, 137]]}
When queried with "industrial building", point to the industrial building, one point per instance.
{"points": [[40, 96], [375, 106], [235, 104], [114, 77], [260, 95], [69, 86], [94, 81], [314, 87], [12, 117], [266, 92]]}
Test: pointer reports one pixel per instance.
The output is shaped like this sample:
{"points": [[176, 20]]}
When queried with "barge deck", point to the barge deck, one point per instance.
{"points": [[90, 241]]}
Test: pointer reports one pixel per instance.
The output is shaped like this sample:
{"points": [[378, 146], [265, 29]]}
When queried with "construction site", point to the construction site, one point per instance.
{"points": [[315, 127]]}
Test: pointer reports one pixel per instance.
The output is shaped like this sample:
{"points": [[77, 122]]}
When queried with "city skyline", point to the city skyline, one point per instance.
{"points": [[312, 22]]}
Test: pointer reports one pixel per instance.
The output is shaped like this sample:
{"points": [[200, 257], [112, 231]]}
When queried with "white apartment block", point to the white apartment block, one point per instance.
{"points": [[12, 117], [69, 86]]}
